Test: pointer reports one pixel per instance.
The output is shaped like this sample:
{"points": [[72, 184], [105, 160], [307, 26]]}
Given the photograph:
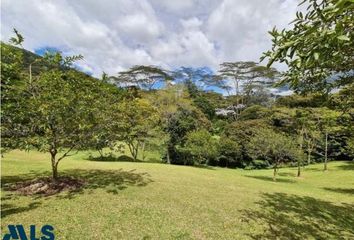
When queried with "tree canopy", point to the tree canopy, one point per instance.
{"points": [[319, 48]]}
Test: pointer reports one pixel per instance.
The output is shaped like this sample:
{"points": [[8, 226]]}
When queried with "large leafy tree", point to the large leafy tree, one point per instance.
{"points": [[237, 72], [201, 78], [319, 48], [243, 75], [142, 76]]}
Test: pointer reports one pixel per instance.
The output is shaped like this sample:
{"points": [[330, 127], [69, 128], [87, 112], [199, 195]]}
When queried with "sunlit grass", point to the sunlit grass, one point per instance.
{"points": [[128, 200]]}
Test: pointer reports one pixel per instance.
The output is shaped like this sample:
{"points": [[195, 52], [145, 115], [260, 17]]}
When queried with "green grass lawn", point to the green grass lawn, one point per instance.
{"points": [[128, 200]]}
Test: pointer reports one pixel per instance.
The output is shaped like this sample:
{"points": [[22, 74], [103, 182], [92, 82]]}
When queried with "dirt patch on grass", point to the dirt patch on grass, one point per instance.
{"points": [[46, 186]]}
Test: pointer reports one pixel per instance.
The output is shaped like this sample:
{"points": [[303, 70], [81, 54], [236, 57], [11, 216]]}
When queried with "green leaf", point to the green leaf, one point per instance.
{"points": [[316, 55], [343, 38]]}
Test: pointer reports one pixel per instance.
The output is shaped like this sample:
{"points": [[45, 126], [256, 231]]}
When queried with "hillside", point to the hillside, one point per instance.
{"points": [[30, 58]]}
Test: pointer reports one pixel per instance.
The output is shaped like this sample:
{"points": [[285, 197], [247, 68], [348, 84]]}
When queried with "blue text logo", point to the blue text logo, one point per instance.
{"points": [[18, 232]]}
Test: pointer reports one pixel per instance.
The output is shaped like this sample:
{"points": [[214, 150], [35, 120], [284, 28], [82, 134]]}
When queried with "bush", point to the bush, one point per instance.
{"points": [[200, 147], [229, 153], [255, 112], [241, 132]]}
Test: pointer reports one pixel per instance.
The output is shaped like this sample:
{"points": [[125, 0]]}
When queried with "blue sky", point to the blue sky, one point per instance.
{"points": [[114, 35]]}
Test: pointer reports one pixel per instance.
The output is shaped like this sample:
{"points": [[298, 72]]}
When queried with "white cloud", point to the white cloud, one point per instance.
{"points": [[240, 27], [114, 35]]}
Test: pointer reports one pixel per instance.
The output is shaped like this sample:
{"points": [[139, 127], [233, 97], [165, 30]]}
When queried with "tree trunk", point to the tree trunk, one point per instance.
{"points": [[30, 74], [143, 150], [275, 173], [101, 152], [168, 155], [299, 159], [326, 150], [136, 153], [133, 150], [53, 153], [237, 100], [308, 157]]}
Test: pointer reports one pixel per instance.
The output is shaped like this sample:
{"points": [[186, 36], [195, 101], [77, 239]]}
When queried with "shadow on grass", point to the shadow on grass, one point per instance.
{"points": [[287, 174], [341, 190], [112, 181], [270, 179], [9, 209], [285, 216], [347, 166], [110, 158], [203, 167]]}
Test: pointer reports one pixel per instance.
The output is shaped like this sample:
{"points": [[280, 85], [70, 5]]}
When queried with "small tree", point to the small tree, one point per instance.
{"points": [[328, 125], [58, 118], [275, 147], [54, 114], [139, 122]]}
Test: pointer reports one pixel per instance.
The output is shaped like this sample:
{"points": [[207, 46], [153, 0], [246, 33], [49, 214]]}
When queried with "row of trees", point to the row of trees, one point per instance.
{"points": [[48, 105], [61, 111]]}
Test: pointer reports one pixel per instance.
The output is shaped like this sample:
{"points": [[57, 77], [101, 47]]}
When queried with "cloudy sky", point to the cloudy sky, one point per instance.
{"points": [[113, 35]]}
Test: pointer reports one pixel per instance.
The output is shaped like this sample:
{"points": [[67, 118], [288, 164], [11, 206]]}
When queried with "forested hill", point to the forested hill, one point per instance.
{"points": [[37, 62]]}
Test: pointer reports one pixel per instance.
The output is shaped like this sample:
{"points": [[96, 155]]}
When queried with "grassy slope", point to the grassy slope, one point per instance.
{"points": [[155, 201]]}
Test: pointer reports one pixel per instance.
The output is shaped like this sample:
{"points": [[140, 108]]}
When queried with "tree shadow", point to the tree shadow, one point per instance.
{"points": [[111, 158], [285, 216], [347, 166], [112, 181], [270, 179], [9, 209], [287, 174], [341, 190], [203, 166]]}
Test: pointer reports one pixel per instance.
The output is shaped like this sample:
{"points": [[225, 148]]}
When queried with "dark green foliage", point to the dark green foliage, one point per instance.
{"points": [[241, 132], [318, 48], [205, 106], [56, 113], [274, 147], [200, 100], [229, 153], [200, 147], [179, 125], [294, 101], [219, 126], [255, 112]]}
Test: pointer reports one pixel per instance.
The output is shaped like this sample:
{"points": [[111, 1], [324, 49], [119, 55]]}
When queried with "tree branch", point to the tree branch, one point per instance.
{"points": [[66, 154]]}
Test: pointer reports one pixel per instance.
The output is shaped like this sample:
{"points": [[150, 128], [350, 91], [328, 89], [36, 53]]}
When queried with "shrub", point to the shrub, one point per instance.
{"points": [[255, 112], [229, 153], [200, 146]]}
